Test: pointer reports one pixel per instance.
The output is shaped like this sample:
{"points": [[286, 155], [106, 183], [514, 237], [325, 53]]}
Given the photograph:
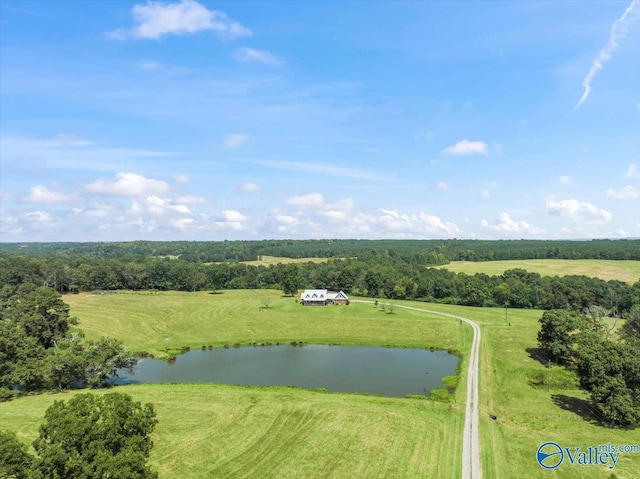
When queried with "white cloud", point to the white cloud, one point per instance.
{"points": [[626, 193], [565, 180], [422, 223], [40, 194], [157, 206], [287, 220], [236, 141], [465, 147], [618, 32], [443, 185], [181, 223], [633, 172], [507, 225], [249, 188], [310, 200], [485, 194], [128, 184], [231, 216], [230, 219], [155, 19], [579, 211], [247, 55]]}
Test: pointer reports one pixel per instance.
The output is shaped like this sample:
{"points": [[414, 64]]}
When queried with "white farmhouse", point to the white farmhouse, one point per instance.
{"points": [[320, 297]]}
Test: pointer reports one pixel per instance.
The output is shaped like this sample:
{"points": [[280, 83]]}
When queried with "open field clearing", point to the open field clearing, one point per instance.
{"points": [[209, 430], [628, 271], [269, 260], [155, 322], [212, 431]]}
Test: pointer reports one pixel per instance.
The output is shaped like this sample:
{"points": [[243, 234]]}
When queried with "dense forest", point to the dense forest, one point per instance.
{"points": [[383, 274], [433, 252]]}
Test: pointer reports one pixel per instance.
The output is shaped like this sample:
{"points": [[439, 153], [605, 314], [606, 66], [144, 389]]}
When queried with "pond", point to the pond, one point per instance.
{"points": [[355, 369]]}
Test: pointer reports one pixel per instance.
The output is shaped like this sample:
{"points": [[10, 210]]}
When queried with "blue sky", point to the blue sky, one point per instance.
{"points": [[248, 120]]}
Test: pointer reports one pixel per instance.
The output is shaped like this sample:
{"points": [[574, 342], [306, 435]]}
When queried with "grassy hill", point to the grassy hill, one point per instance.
{"points": [[209, 430], [628, 271]]}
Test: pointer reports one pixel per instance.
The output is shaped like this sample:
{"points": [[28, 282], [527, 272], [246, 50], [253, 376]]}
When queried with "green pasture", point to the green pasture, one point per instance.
{"points": [[628, 271], [217, 431], [528, 416], [213, 431], [170, 320]]}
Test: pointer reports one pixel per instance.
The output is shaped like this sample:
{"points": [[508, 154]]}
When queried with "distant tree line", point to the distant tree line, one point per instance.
{"points": [[607, 362], [383, 276], [434, 252]]}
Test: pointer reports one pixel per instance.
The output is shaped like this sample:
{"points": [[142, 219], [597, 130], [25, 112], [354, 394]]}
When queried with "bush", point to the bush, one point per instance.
{"points": [[5, 394]]}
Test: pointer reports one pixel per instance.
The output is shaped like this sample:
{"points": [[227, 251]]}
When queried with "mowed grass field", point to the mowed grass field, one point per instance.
{"points": [[628, 271], [170, 320], [209, 430]]}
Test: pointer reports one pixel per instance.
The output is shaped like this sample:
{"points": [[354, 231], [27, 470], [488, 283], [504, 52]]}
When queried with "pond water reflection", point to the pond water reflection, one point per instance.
{"points": [[356, 369]]}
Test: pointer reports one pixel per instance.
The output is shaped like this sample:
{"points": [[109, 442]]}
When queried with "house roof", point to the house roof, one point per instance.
{"points": [[334, 296], [321, 295], [314, 295]]}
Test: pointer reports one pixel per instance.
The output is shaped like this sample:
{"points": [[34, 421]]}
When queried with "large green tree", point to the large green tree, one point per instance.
{"points": [[95, 437], [15, 461], [558, 333], [611, 373]]}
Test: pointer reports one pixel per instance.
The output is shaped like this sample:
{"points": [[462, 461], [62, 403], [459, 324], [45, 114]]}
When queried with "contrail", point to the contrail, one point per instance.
{"points": [[618, 32]]}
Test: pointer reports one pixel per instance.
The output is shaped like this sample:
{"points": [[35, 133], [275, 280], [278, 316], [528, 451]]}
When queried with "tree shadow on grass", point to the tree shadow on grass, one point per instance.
{"points": [[582, 407], [537, 355]]}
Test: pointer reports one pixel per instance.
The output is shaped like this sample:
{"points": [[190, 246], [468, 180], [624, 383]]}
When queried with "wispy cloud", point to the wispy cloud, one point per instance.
{"points": [[466, 147], [618, 32], [236, 141], [321, 169], [248, 55], [633, 172], [155, 19], [626, 193], [249, 188], [312, 199]]}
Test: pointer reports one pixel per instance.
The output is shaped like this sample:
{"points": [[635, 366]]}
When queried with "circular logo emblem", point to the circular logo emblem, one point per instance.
{"points": [[550, 455]]}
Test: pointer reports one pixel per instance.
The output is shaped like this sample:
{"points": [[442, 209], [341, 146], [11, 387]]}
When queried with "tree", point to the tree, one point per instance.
{"points": [[15, 461], [630, 330], [95, 437], [557, 335], [611, 373], [103, 358], [290, 279]]}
